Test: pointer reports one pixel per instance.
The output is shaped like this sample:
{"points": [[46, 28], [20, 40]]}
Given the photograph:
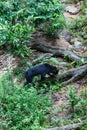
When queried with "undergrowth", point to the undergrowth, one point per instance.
{"points": [[19, 19], [80, 29], [31, 107], [22, 108], [79, 26]]}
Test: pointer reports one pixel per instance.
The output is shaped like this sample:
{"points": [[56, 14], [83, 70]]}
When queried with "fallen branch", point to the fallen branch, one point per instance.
{"points": [[70, 76], [47, 55], [73, 75], [68, 127], [58, 52]]}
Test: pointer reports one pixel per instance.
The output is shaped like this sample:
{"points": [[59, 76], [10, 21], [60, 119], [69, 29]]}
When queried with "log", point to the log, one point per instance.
{"points": [[70, 76], [58, 52], [67, 127], [73, 74], [47, 55]]}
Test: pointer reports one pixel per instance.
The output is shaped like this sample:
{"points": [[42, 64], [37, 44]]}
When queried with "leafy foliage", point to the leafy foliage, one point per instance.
{"points": [[84, 7], [77, 102], [80, 28], [73, 99], [16, 38], [22, 108], [18, 19]]}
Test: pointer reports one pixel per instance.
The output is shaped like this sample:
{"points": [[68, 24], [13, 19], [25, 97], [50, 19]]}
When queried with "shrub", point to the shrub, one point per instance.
{"points": [[18, 19], [79, 28], [73, 98], [22, 108], [48, 15]]}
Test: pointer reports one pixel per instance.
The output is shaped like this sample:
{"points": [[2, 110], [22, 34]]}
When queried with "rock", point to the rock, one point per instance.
{"points": [[63, 1], [70, 17], [77, 4], [65, 34], [77, 44], [72, 10], [68, 37], [62, 43]]}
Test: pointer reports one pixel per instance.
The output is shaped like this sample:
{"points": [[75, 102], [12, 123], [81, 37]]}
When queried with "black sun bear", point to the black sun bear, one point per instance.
{"points": [[41, 69]]}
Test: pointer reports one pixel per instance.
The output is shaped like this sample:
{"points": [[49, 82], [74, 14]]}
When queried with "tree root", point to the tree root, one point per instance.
{"points": [[70, 76], [47, 55], [66, 77], [68, 127], [58, 52]]}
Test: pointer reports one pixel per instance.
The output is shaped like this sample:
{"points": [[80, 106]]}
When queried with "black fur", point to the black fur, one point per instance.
{"points": [[41, 69]]}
